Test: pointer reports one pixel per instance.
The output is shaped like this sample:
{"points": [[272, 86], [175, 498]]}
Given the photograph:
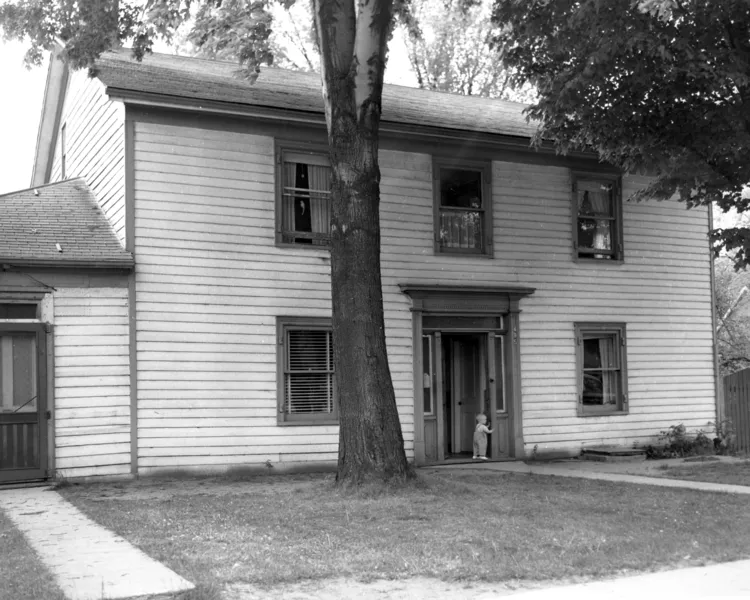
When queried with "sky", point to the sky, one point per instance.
{"points": [[21, 93]]}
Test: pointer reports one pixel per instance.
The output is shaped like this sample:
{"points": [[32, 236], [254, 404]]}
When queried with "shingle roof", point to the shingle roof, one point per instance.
{"points": [[33, 221], [208, 80]]}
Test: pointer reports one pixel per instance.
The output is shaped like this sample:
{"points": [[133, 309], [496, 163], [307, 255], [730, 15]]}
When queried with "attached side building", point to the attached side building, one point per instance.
{"points": [[64, 359]]}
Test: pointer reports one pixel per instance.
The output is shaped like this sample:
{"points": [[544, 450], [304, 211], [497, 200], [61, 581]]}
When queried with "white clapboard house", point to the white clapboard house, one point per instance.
{"points": [[165, 286]]}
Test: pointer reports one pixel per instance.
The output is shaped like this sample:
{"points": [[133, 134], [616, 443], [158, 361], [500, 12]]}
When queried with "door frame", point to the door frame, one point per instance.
{"points": [[42, 331], [469, 301]]}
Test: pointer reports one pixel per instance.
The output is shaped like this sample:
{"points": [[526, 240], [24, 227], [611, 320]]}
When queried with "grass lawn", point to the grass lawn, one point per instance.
{"points": [[22, 574], [451, 525], [736, 473]]}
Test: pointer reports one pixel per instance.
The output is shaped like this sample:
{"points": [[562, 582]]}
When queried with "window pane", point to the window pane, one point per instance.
{"points": [[592, 388], [18, 390], [306, 203], [427, 373], [461, 229], [591, 355], [595, 198], [308, 383], [460, 188], [595, 234], [310, 351], [599, 353], [309, 393], [499, 376], [610, 388]]}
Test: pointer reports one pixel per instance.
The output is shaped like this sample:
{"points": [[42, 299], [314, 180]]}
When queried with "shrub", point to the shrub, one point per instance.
{"points": [[679, 443]]}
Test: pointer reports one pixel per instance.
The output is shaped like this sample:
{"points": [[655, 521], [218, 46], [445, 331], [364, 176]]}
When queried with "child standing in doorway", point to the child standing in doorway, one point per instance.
{"points": [[480, 437]]}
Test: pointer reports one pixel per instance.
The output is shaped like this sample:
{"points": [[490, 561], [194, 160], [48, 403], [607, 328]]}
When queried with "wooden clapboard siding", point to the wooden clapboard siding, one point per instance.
{"points": [[210, 283], [95, 146], [662, 292], [92, 382]]}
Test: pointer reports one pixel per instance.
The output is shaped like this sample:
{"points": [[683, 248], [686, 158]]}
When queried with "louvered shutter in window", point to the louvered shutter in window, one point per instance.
{"points": [[308, 377]]}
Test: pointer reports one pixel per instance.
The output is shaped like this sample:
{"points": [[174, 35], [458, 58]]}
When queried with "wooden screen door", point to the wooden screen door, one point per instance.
{"points": [[23, 401]]}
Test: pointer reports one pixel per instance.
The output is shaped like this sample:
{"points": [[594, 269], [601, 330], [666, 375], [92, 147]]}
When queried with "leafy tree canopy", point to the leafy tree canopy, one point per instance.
{"points": [[661, 86]]}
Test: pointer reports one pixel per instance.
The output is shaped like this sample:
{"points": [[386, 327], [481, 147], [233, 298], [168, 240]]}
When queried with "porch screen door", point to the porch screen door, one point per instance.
{"points": [[23, 406]]}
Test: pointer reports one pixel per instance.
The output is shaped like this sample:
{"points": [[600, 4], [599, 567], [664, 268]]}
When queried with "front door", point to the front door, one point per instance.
{"points": [[468, 389], [464, 374], [23, 430]]}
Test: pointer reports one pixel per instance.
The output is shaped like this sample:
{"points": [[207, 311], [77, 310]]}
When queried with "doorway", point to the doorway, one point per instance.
{"points": [[464, 390], [464, 374], [484, 322], [23, 385]]}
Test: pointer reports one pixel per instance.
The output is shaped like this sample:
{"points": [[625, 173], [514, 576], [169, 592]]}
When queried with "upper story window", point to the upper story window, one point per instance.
{"points": [[463, 207], [597, 208], [304, 213]]}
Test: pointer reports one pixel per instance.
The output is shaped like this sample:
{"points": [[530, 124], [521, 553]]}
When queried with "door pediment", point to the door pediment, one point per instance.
{"points": [[452, 299]]}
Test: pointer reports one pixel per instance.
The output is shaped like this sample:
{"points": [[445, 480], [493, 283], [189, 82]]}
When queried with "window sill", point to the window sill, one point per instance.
{"points": [[306, 247], [609, 413], [311, 423], [598, 261], [459, 254]]}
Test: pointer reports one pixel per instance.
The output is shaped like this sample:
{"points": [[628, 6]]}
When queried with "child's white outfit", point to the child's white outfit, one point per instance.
{"points": [[480, 440]]}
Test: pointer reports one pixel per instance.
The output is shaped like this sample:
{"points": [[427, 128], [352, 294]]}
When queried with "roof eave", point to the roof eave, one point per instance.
{"points": [[116, 265], [165, 101], [46, 139]]}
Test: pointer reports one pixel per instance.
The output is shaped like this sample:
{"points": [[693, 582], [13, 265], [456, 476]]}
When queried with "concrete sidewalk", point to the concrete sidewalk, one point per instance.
{"points": [[586, 469], [87, 561], [726, 579]]}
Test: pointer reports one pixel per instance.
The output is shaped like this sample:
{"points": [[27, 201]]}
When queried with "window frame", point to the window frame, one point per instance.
{"points": [[589, 330], [485, 168], [283, 148], [283, 325], [618, 254]]}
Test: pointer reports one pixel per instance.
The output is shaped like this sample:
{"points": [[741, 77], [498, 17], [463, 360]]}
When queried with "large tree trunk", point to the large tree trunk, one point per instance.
{"points": [[371, 445]]}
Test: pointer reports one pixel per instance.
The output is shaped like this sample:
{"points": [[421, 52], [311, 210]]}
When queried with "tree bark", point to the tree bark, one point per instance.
{"points": [[353, 47]]}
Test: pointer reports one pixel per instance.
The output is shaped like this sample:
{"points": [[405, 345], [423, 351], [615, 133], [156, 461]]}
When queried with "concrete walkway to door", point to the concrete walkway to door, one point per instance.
{"points": [[88, 561], [638, 472]]}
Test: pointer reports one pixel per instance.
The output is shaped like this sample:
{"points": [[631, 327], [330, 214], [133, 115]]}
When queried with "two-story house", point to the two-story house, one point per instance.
{"points": [[516, 282]]}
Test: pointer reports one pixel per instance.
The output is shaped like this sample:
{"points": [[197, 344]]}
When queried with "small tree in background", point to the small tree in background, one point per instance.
{"points": [[732, 296], [449, 46]]}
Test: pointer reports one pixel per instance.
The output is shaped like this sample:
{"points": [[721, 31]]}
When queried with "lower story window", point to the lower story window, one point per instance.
{"points": [[306, 374], [601, 366]]}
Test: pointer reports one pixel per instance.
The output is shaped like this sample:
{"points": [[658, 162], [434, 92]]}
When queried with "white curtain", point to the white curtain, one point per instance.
{"points": [[607, 357], [320, 203]]}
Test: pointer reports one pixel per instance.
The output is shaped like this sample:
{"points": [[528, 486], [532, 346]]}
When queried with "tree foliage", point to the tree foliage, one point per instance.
{"points": [[657, 86], [449, 47]]}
